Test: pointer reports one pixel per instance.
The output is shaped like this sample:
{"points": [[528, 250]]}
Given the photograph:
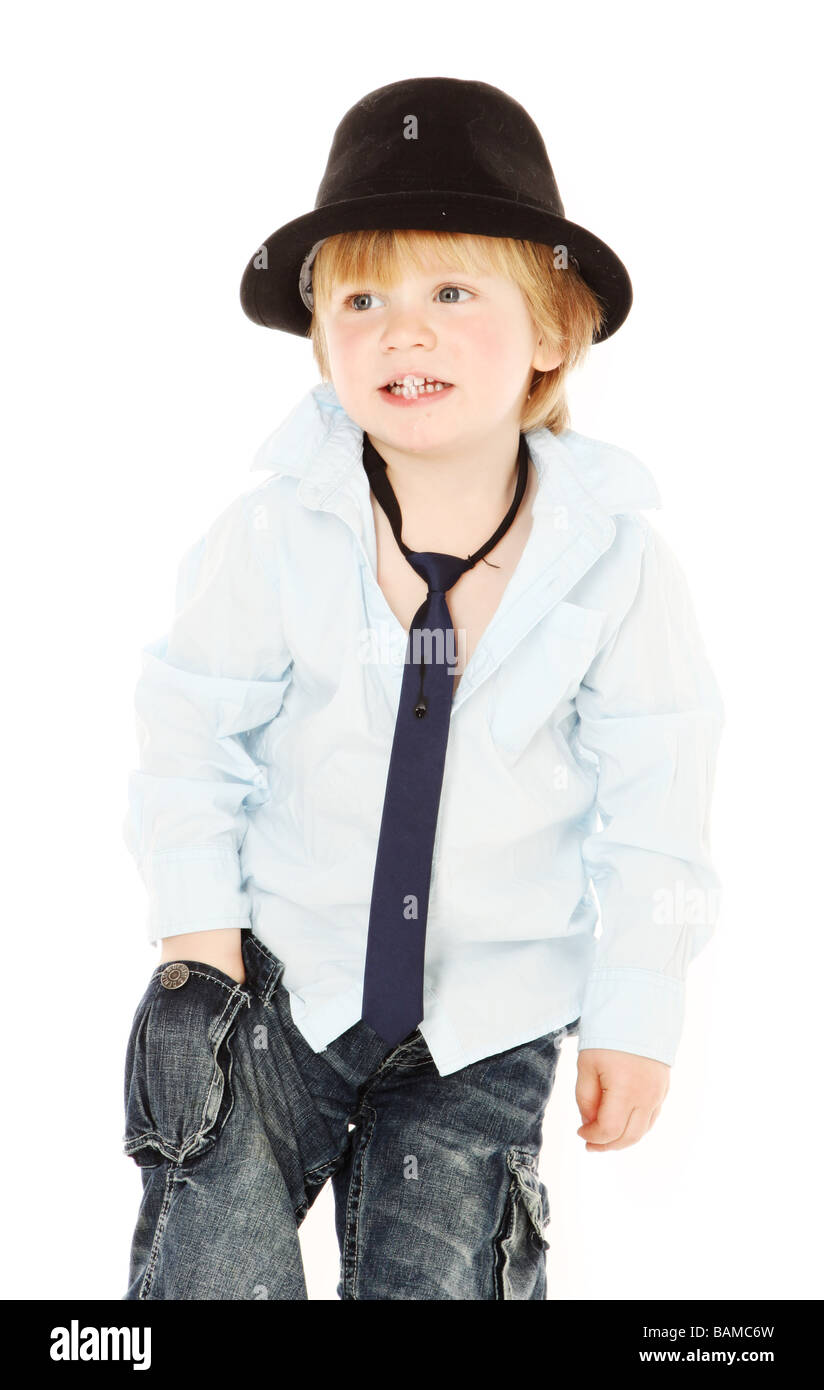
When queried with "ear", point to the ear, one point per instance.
{"points": [[546, 359]]}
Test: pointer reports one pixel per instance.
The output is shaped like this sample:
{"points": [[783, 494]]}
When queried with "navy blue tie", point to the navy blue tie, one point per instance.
{"points": [[393, 974]]}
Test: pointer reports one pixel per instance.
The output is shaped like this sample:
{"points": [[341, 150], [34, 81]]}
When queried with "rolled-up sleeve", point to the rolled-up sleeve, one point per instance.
{"points": [[651, 711], [208, 685]]}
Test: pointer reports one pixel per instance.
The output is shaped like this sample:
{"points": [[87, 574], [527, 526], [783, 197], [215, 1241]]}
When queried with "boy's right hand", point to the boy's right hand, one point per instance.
{"points": [[218, 948]]}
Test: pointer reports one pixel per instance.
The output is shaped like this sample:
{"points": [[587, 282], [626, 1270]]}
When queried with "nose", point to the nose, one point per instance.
{"points": [[407, 328]]}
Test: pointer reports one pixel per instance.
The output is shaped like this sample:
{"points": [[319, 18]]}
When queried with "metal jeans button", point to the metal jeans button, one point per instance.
{"points": [[174, 975]]}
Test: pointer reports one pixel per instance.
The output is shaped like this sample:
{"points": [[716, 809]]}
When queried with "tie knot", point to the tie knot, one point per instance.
{"points": [[439, 571]]}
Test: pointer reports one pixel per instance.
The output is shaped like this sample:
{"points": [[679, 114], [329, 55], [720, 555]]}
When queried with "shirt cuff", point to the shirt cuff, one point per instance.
{"points": [[633, 1010], [193, 890]]}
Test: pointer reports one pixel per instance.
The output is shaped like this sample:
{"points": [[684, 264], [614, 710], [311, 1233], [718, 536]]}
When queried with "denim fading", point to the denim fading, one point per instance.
{"points": [[236, 1124]]}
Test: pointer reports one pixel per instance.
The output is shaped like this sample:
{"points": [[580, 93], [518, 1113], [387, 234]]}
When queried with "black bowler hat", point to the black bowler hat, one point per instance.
{"points": [[433, 154]]}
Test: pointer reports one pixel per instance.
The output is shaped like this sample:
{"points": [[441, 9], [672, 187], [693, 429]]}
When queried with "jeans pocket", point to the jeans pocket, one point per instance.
{"points": [[520, 1243], [531, 1192], [177, 1085]]}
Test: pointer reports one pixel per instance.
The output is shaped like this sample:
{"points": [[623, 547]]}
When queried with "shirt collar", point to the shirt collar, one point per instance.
{"points": [[319, 444]]}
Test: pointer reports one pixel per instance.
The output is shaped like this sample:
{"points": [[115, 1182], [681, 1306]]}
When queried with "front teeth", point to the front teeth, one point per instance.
{"points": [[415, 385]]}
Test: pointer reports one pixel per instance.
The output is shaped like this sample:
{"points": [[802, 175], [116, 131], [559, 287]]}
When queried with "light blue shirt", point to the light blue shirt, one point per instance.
{"points": [[579, 767]]}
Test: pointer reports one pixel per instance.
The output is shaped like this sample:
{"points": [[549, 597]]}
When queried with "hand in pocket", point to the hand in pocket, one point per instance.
{"points": [[176, 1091]]}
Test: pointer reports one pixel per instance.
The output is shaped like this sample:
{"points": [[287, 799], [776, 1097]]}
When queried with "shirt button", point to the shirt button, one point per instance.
{"points": [[174, 975], [260, 777]]}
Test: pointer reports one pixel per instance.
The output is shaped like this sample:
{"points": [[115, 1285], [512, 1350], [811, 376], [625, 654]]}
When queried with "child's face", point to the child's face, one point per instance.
{"points": [[474, 331]]}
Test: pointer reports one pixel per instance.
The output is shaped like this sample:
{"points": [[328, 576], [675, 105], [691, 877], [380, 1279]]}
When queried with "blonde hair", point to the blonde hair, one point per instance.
{"points": [[565, 311]]}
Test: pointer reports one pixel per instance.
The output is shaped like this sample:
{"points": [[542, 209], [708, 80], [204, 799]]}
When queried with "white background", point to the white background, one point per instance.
{"points": [[148, 151]]}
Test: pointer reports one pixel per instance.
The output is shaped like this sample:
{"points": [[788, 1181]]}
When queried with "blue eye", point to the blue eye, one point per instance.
{"points": [[363, 295], [368, 294]]}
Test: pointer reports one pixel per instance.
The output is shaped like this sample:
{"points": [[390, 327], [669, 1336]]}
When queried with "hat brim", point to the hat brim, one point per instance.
{"points": [[269, 293]]}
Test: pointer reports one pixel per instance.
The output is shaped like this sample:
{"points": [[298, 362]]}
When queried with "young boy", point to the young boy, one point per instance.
{"points": [[407, 674]]}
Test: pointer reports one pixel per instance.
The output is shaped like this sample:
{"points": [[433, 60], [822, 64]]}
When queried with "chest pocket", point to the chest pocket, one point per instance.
{"points": [[538, 681]]}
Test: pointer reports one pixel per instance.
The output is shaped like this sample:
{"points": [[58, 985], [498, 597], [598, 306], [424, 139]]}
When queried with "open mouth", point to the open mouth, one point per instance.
{"points": [[410, 387]]}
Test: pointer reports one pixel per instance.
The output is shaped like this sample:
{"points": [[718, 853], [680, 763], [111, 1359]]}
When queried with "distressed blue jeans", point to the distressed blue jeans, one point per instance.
{"points": [[237, 1124]]}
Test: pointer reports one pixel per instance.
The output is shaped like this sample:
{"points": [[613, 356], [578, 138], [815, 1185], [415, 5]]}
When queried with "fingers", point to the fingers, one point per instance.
{"points": [[608, 1126], [635, 1127], [614, 1129], [619, 1096]]}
